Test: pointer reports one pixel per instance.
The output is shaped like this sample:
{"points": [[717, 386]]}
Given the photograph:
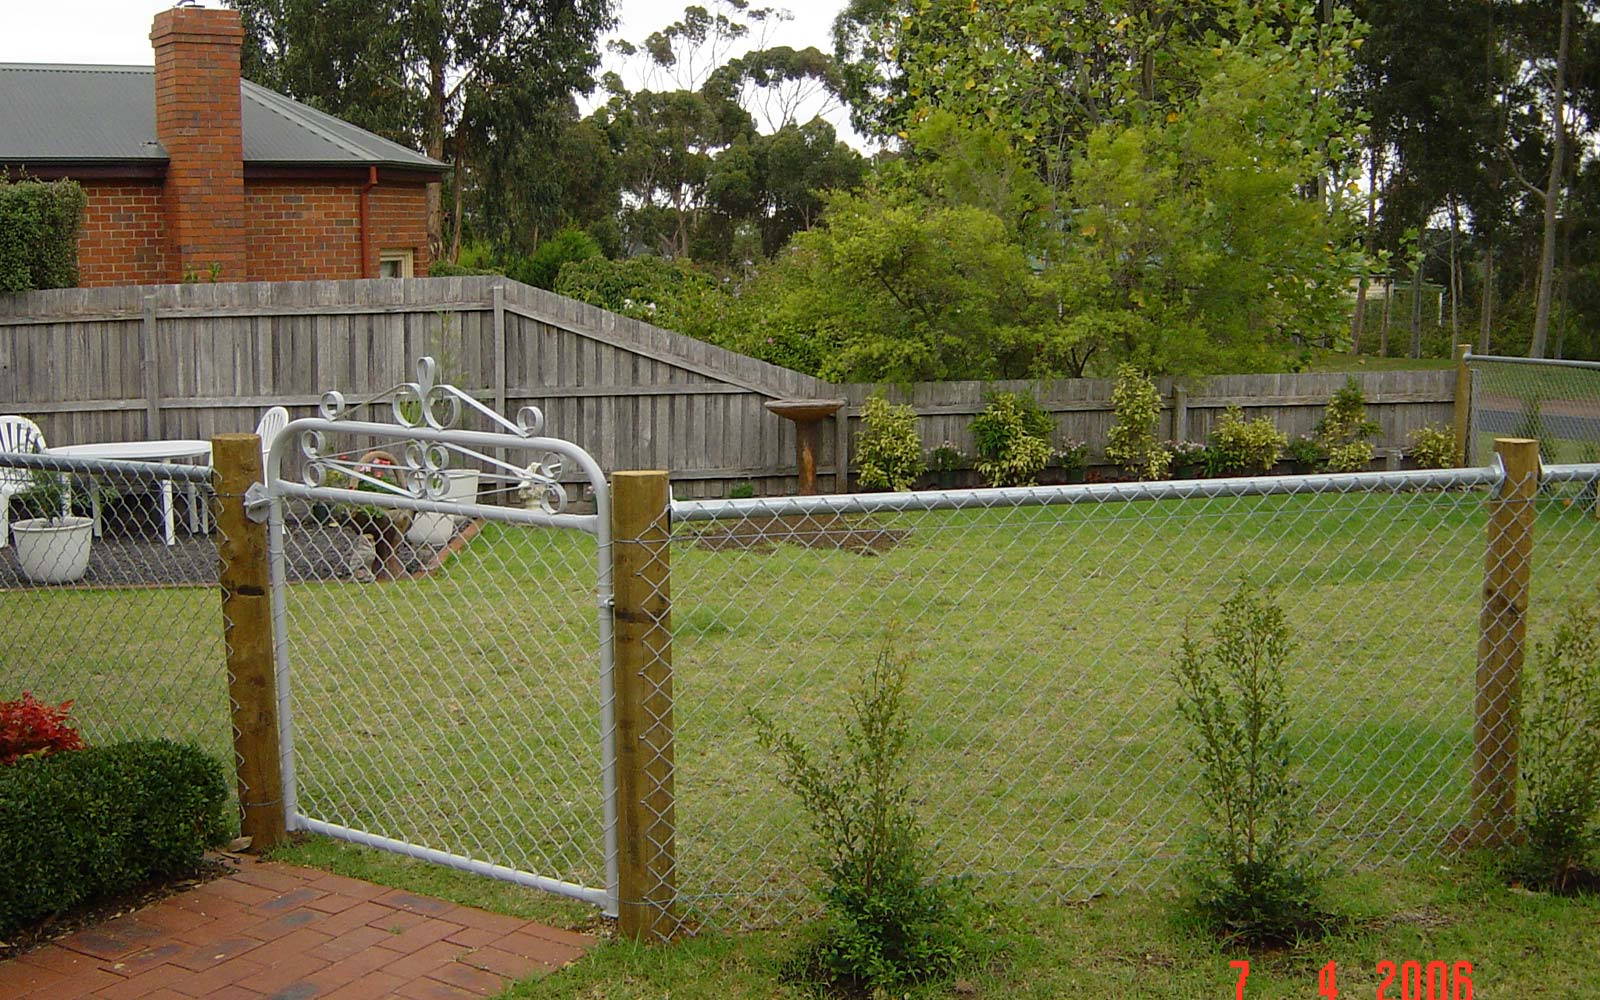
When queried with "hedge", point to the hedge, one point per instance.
{"points": [[39, 222], [83, 825]]}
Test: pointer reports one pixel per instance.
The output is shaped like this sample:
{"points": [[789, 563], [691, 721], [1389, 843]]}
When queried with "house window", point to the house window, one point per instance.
{"points": [[394, 263]]}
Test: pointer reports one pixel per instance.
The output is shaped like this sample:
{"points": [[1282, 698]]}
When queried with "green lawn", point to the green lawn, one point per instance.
{"points": [[459, 710], [1344, 361]]}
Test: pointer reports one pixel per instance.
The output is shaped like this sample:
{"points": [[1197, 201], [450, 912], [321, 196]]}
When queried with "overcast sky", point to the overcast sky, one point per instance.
{"points": [[117, 32]]}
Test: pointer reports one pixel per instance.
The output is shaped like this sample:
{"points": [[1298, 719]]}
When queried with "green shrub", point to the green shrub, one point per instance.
{"points": [[1132, 442], [888, 451], [39, 223], [86, 824], [1561, 758], [1304, 450], [1433, 447], [1252, 878], [1532, 427], [1012, 438], [946, 458], [887, 919], [742, 491], [1241, 447], [1345, 433], [565, 247]]}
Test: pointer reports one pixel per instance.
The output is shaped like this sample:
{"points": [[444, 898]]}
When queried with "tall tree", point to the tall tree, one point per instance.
{"points": [[494, 70]]}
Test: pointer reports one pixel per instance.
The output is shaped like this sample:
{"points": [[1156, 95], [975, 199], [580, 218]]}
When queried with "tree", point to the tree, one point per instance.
{"points": [[494, 71]]}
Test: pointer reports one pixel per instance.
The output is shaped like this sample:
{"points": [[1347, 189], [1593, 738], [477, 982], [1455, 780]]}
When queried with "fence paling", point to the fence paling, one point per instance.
{"points": [[247, 630]]}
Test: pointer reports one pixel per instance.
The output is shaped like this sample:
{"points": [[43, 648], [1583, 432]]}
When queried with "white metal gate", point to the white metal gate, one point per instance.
{"points": [[461, 713]]}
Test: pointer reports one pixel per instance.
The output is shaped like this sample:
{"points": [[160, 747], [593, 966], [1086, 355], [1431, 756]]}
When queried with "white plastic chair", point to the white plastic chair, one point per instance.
{"points": [[271, 424], [16, 434]]}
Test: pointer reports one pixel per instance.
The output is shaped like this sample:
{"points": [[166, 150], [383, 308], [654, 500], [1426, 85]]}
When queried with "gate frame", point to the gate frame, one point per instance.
{"points": [[267, 500]]}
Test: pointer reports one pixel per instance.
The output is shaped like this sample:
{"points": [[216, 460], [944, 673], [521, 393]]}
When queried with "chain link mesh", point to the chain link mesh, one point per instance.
{"points": [[443, 677], [101, 610], [1554, 403], [1051, 763]]}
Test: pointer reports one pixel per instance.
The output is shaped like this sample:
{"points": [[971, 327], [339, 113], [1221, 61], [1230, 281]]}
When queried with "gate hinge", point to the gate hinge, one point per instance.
{"points": [[257, 503], [607, 601]]}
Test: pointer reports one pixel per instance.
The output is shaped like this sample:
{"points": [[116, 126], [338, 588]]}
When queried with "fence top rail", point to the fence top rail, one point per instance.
{"points": [[1574, 473], [151, 471], [1499, 359], [1042, 496]]}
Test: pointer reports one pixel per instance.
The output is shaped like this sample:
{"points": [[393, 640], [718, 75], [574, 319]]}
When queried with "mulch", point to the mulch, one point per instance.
{"points": [[822, 532]]}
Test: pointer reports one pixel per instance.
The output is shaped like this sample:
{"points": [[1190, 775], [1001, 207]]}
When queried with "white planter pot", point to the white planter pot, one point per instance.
{"points": [[429, 528], [53, 551]]}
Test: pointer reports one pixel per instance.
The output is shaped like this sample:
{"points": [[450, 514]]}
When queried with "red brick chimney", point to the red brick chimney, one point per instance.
{"points": [[197, 120]]}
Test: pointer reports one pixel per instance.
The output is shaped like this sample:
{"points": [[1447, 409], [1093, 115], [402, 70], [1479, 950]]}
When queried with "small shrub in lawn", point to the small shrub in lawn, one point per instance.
{"points": [[742, 491], [1304, 451], [1012, 436], [29, 728], [889, 453], [1252, 879], [1432, 447], [1345, 433], [87, 824], [887, 920], [1131, 442], [1241, 447], [1561, 759], [946, 458]]}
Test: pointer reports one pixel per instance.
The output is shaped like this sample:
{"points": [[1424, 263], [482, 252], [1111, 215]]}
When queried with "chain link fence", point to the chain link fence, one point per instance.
{"points": [[1556, 403], [442, 672], [1043, 628], [109, 573]]}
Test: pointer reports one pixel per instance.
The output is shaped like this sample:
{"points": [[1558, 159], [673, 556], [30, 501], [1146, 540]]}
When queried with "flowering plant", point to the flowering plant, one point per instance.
{"points": [[30, 728]]}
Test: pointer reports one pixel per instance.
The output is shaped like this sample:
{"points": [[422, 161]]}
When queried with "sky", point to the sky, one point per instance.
{"points": [[117, 32]]}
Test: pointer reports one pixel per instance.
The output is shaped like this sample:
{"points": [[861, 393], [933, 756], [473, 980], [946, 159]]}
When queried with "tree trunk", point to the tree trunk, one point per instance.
{"points": [[1565, 280], [1552, 194], [1383, 328], [1455, 273], [433, 129], [1416, 296], [1486, 304], [1359, 319], [458, 181]]}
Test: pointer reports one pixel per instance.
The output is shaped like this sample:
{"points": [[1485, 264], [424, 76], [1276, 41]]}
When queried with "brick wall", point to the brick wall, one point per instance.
{"points": [[198, 121], [123, 239], [399, 220], [300, 230]]}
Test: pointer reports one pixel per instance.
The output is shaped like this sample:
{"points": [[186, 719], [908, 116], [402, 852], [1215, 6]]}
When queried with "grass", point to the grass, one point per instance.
{"points": [[1133, 946], [459, 711]]}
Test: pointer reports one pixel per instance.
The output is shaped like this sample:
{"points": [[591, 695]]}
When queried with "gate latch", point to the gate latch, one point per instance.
{"points": [[257, 503]]}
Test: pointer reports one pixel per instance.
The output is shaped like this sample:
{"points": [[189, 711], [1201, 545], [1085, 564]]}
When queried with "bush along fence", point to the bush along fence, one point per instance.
{"points": [[568, 696], [197, 360]]}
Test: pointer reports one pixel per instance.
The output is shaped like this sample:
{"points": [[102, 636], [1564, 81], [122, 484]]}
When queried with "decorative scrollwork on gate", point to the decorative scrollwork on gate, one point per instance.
{"points": [[419, 470]]}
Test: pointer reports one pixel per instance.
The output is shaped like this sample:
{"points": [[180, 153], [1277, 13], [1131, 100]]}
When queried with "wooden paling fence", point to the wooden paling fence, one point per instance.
{"points": [[192, 361]]}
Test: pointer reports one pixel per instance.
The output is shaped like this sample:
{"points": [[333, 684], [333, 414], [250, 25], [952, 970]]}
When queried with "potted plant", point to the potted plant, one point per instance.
{"points": [[385, 527], [945, 462], [1073, 458], [53, 548], [435, 529]]}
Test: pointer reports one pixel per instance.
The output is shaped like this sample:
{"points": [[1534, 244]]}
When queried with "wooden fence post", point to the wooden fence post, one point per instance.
{"points": [[1180, 413], [1463, 403], [247, 631], [642, 668], [1502, 631]]}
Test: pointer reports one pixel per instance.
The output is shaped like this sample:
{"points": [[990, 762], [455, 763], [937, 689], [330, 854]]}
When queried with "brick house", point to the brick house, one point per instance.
{"points": [[190, 170]]}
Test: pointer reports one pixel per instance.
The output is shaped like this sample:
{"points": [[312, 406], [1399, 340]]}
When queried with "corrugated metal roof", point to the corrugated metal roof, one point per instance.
{"points": [[106, 114]]}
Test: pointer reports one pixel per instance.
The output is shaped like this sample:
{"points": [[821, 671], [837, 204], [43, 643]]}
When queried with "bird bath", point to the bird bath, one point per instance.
{"points": [[806, 414]]}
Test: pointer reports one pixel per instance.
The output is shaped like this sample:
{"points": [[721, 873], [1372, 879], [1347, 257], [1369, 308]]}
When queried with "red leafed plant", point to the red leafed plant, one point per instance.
{"points": [[28, 727]]}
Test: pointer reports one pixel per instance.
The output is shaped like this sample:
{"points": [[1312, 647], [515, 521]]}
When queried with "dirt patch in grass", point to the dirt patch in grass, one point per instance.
{"points": [[825, 532]]}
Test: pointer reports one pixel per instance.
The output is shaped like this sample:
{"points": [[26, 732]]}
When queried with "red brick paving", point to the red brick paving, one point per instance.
{"points": [[276, 931]]}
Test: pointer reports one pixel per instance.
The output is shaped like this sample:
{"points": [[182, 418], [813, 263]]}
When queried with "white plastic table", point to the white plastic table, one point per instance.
{"points": [[167, 452]]}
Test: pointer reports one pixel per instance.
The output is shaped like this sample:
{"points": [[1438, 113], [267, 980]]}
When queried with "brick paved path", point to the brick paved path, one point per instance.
{"points": [[273, 930]]}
